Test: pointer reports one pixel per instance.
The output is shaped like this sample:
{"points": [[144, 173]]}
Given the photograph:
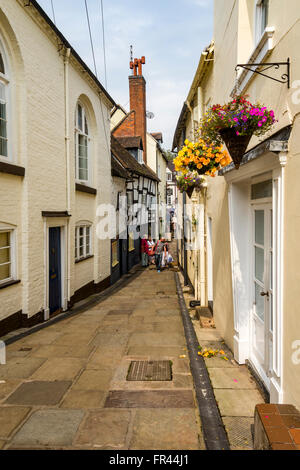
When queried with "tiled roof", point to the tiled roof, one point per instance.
{"points": [[157, 136], [129, 162], [131, 142], [117, 169]]}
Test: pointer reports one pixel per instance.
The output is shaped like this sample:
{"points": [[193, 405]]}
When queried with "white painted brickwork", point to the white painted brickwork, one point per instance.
{"points": [[38, 109]]}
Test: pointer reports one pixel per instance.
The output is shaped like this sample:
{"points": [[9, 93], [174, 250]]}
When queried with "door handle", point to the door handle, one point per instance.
{"points": [[263, 294]]}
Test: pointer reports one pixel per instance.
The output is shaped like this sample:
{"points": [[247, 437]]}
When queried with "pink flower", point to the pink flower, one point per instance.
{"points": [[260, 124]]}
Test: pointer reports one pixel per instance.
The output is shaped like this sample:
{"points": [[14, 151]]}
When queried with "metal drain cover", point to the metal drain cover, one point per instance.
{"points": [[149, 370]]}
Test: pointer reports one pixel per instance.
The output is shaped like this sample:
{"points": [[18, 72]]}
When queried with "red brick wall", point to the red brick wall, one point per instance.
{"points": [[137, 94], [127, 128]]}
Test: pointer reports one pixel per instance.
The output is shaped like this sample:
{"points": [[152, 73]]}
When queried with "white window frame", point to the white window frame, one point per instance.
{"points": [[140, 156], [259, 29], [81, 132], [12, 258], [5, 81], [86, 227]]}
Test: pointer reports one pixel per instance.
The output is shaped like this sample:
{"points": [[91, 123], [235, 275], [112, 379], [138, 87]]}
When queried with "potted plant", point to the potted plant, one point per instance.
{"points": [[235, 123], [189, 181], [202, 157]]}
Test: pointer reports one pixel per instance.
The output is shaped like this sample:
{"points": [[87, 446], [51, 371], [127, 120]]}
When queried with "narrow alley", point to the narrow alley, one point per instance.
{"points": [[66, 387]]}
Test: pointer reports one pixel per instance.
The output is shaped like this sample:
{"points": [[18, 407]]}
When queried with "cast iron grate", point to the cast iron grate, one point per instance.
{"points": [[150, 371]]}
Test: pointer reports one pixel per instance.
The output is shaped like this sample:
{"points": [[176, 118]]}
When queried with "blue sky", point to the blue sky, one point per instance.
{"points": [[170, 33]]}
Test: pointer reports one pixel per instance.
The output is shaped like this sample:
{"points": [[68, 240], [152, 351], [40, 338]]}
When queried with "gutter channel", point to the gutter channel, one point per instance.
{"points": [[214, 433]]}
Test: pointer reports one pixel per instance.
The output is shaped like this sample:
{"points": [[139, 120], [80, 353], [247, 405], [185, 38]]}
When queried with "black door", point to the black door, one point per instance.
{"points": [[123, 256], [54, 269]]}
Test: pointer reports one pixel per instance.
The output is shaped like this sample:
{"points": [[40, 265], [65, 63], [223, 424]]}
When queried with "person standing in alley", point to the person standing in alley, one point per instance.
{"points": [[145, 251], [160, 250]]}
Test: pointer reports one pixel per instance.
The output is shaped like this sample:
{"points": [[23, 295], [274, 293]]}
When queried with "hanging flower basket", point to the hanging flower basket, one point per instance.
{"points": [[189, 181], [190, 191], [201, 157], [236, 144], [234, 124]]}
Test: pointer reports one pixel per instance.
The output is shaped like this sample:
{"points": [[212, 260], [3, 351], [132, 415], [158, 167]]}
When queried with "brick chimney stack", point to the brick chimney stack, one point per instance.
{"points": [[137, 95]]}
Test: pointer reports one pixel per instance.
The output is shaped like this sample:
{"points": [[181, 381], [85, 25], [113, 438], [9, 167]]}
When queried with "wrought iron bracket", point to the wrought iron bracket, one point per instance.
{"points": [[262, 67]]}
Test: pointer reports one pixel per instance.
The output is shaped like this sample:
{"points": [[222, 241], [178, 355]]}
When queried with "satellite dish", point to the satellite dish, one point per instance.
{"points": [[149, 115]]}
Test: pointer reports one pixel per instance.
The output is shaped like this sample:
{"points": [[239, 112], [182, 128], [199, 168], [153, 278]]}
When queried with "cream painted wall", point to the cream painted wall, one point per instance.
{"points": [[234, 42], [38, 107]]}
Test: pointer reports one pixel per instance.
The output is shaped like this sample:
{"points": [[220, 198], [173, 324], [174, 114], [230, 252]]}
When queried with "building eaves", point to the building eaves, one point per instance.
{"points": [[131, 142], [129, 162], [206, 59], [64, 41], [117, 169]]}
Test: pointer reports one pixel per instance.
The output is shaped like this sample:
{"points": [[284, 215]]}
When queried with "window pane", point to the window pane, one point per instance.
{"points": [[261, 190], [3, 147], [4, 272], [260, 227], [2, 68], [4, 239], [259, 303], [83, 175], [86, 129], [79, 117], [82, 146], [4, 255], [83, 163], [259, 264]]}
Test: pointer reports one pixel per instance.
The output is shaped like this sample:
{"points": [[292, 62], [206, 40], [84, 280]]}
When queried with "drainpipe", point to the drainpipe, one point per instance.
{"points": [[68, 167], [203, 252], [186, 282]]}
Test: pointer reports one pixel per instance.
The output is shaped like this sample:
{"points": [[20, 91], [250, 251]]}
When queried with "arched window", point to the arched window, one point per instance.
{"points": [[4, 82], [82, 140]]}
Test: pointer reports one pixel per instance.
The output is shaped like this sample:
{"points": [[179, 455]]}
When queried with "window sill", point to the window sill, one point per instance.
{"points": [[11, 169], [258, 55], [9, 283], [85, 189], [83, 259]]}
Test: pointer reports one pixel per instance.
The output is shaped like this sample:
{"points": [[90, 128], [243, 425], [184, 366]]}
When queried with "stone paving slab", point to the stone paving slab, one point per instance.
{"points": [[93, 380], [218, 362], [59, 369], [49, 428], [158, 429], [7, 387], [10, 418], [232, 378], [156, 339], [105, 428], [2, 444], [21, 368], [39, 393], [237, 402], [76, 338], [167, 311], [164, 352], [103, 339], [84, 399], [72, 351], [150, 399]]}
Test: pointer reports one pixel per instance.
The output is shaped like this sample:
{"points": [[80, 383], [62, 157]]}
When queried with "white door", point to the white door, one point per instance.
{"points": [[262, 312]]}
